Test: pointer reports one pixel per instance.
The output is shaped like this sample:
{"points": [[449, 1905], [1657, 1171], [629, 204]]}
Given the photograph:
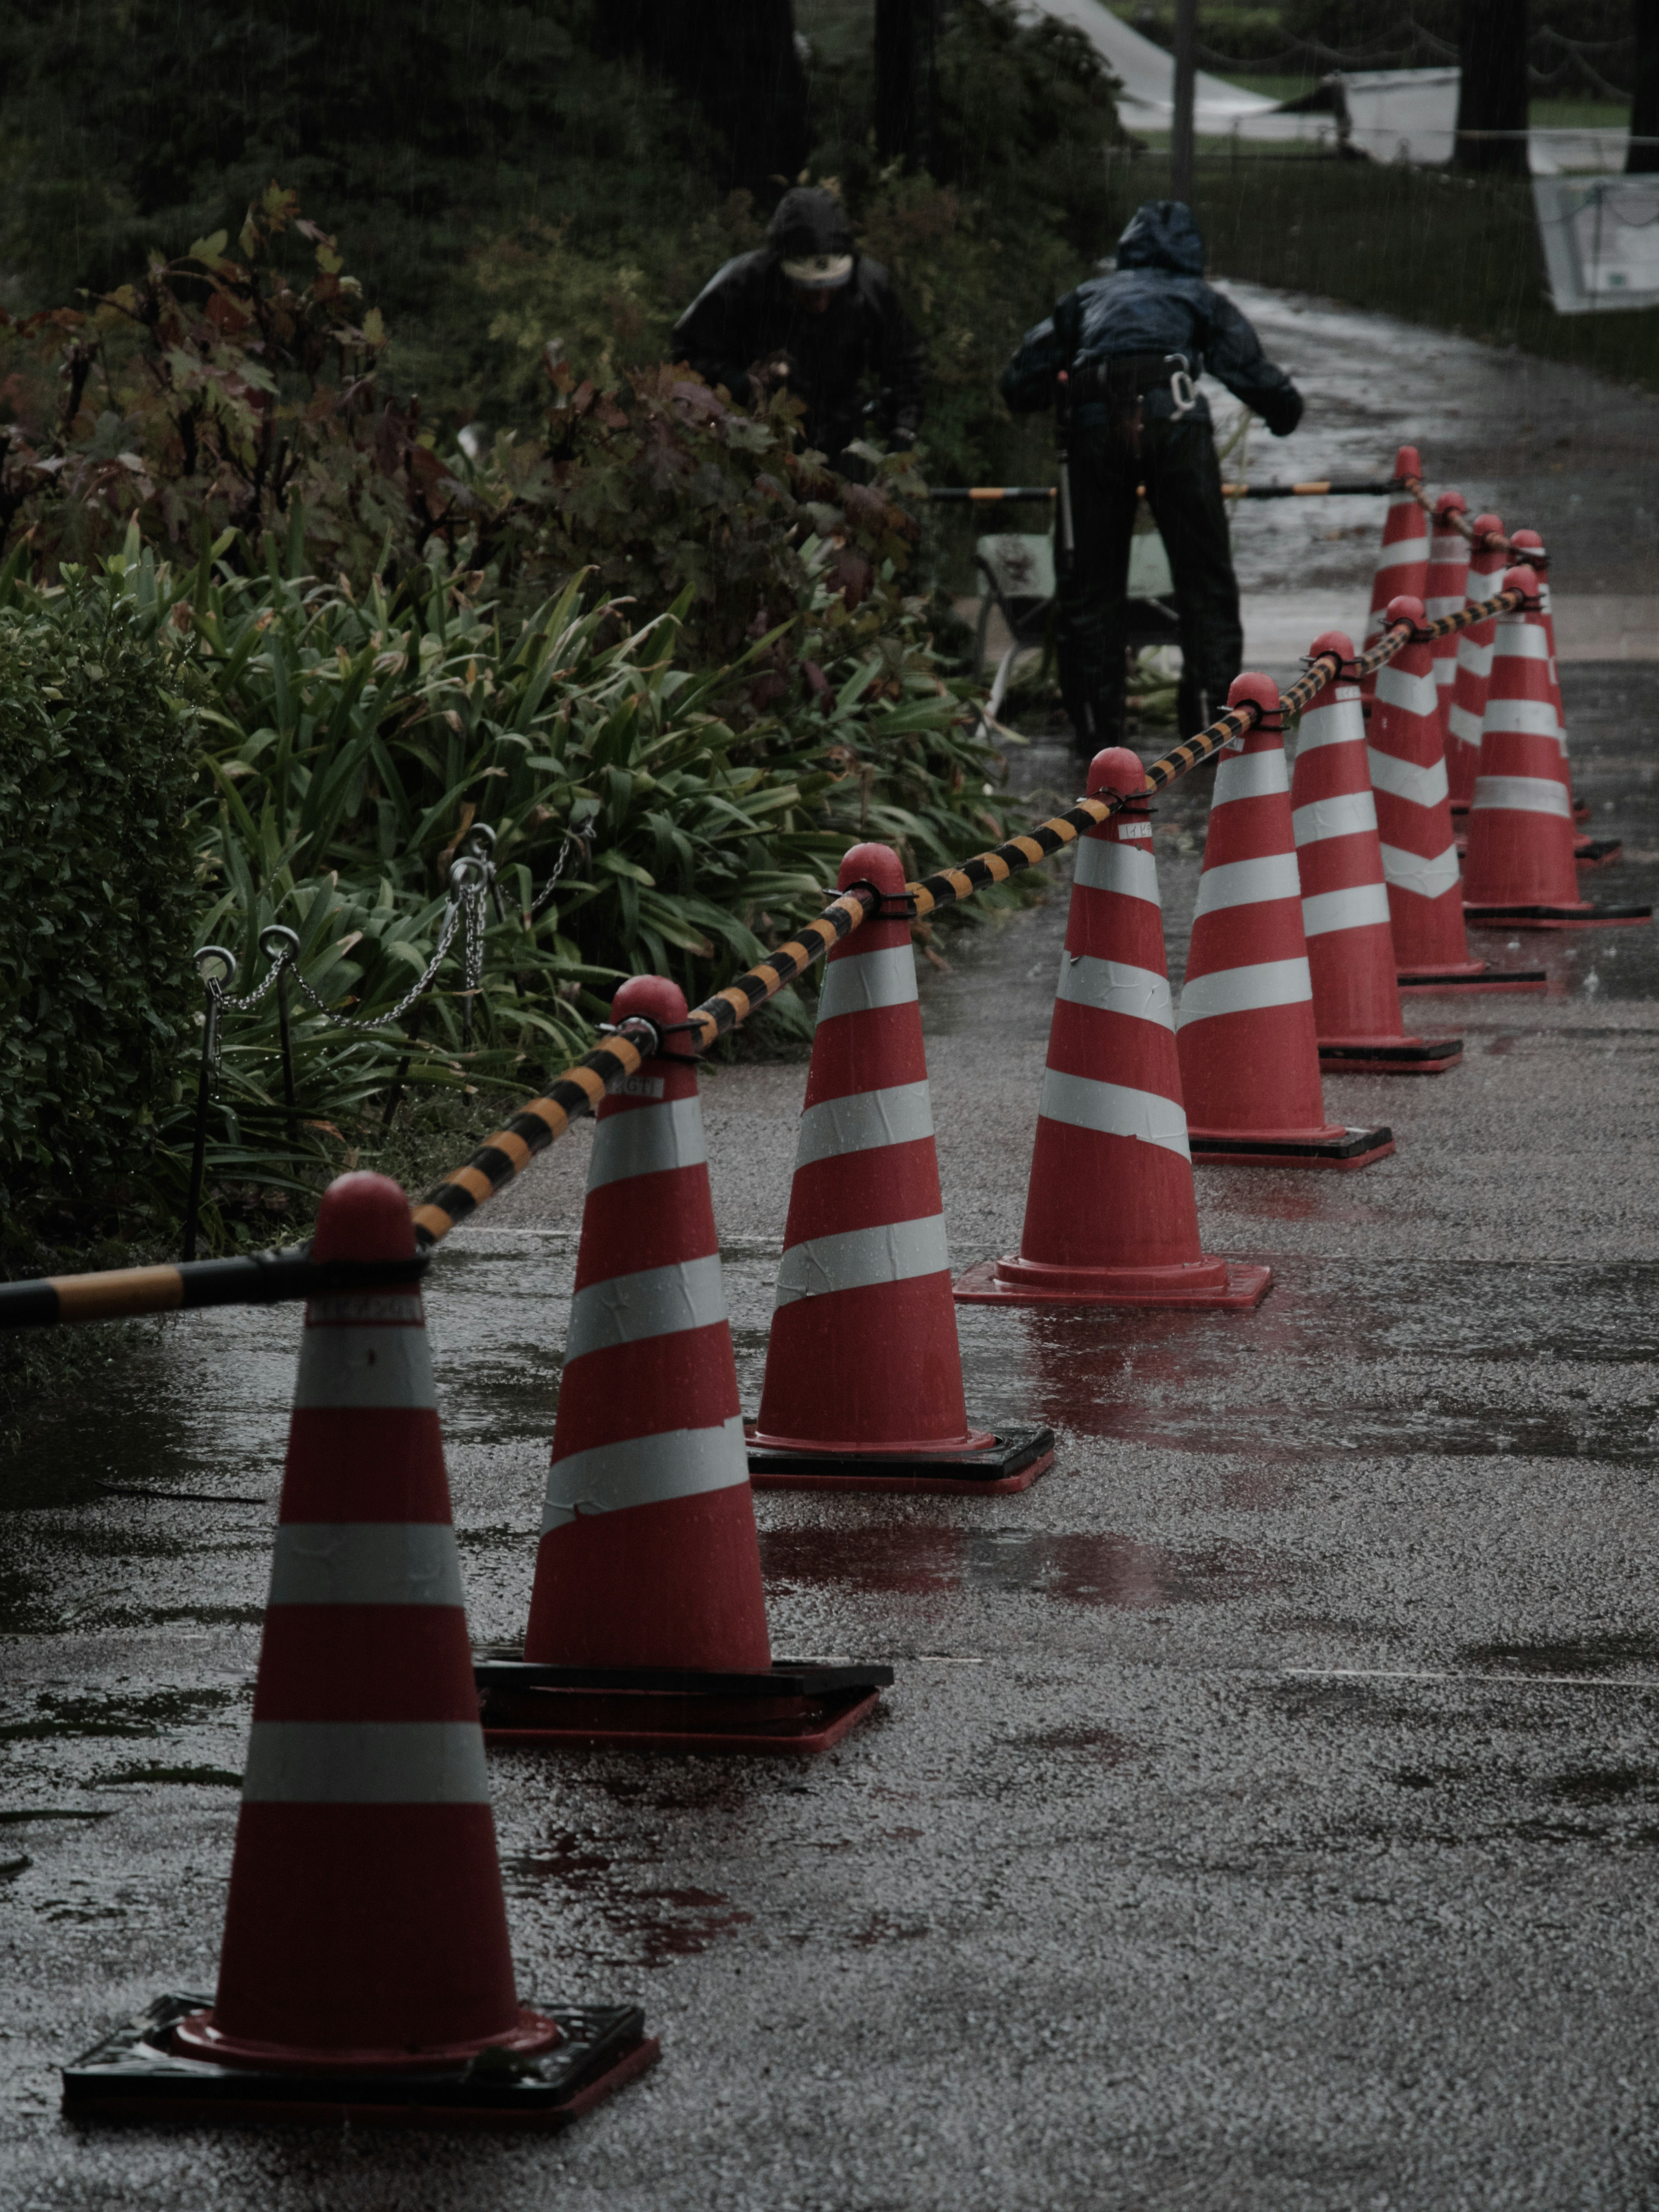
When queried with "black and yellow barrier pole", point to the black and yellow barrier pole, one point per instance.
{"points": [[269, 1277], [1316, 487]]}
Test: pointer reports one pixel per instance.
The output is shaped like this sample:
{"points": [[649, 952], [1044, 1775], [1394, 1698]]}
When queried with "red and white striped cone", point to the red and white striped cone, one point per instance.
{"points": [[1586, 852], [1111, 1216], [365, 1937], [1248, 1052], [1448, 574], [1521, 872], [1345, 897], [1402, 564], [648, 1570], [1466, 711], [863, 1385]]}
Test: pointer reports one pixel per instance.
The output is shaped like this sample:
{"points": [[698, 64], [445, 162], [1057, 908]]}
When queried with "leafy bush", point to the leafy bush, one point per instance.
{"points": [[97, 887]]}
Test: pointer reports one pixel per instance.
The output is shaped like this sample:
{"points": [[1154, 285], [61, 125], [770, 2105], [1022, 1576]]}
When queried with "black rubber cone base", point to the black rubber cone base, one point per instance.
{"points": [[1350, 1148], [1010, 1461], [795, 1707], [135, 2073], [1555, 917], [1411, 1056], [1480, 976]]}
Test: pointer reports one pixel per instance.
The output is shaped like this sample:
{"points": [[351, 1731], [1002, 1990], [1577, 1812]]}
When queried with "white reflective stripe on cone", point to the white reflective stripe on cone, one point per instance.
{"points": [[1114, 986], [1474, 655], [645, 1471], [1522, 718], [1429, 879], [1248, 883], [1104, 866], [346, 1369], [655, 1302], [1465, 726], [1517, 639], [1244, 990], [1402, 550], [1413, 695], [1355, 907], [1434, 609], [1408, 780], [1522, 794], [1113, 1109], [365, 1762], [1344, 814], [647, 1140], [864, 981], [864, 1122], [365, 1562], [891, 1252], [1250, 775], [1339, 724]]}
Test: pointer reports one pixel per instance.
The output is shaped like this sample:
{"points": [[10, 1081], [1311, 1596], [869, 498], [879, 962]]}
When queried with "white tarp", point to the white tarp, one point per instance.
{"points": [[1147, 74], [1401, 115], [1601, 238], [1394, 115]]}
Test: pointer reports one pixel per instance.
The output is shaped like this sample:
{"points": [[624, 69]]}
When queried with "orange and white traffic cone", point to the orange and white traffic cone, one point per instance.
{"points": [[1521, 872], [1466, 708], [648, 1576], [1448, 574], [863, 1388], [366, 1968], [1249, 1051], [1586, 852], [1414, 816], [1110, 1217], [1345, 897], [1402, 564]]}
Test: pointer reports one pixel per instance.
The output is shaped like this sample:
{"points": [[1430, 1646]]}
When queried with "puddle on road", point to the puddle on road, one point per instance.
{"points": [[655, 1926], [1349, 1356], [1084, 1570]]}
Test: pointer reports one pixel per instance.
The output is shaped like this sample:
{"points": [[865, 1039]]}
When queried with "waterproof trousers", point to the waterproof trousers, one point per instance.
{"points": [[1178, 466]]}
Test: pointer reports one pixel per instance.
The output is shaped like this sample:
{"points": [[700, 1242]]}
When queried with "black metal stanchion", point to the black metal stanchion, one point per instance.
{"points": [[217, 967]]}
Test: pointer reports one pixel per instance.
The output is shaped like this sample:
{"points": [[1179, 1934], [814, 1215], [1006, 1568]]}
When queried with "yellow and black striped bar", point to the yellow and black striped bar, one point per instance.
{"points": [[269, 1277], [535, 1125], [1319, 488], [259, 1278], [580, 1088]]}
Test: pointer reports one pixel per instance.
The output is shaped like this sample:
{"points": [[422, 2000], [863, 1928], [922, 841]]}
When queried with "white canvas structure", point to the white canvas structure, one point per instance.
{"points": [[1147, 74], [1401, 115], [1600, 239]]}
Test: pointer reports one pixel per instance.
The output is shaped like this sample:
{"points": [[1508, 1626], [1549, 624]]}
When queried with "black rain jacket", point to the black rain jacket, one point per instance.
{"points": [[1155, 302], [748, 311]]}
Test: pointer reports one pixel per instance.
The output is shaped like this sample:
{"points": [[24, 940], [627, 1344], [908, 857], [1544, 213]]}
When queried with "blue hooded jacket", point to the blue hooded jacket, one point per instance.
{"points": [[1155, 302]]}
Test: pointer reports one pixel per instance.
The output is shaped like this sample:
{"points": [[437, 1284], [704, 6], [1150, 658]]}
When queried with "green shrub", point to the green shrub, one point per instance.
{"points": [[98, 889]]}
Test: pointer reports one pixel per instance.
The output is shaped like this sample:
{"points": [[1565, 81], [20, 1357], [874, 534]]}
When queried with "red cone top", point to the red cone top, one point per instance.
{"points": [[1405, 609], [363, 1217], [1407, 462], [1116, 769], [1450, 503], [1260, 691], [649, 998]]}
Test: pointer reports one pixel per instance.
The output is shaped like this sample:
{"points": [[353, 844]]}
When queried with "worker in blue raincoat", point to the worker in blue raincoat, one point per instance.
{"points": [[1133, 344]]}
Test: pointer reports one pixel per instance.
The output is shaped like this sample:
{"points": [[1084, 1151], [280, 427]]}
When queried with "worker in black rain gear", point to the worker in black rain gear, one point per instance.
{"points": [[810, 311], [1133, 343]]}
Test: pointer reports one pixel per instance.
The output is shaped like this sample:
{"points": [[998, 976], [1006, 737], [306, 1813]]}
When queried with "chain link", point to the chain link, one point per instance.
{"points": [[574, 843]]}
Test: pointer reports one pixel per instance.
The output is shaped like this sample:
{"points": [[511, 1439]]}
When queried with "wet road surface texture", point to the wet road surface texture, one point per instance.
{"points": [[1265, 1813]]}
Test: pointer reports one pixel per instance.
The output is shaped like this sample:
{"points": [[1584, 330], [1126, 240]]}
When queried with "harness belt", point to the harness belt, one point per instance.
{"points": [[1121, 381]]}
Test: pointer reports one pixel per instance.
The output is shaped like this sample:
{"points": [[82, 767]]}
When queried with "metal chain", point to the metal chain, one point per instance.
{"points": [[572, 843]]}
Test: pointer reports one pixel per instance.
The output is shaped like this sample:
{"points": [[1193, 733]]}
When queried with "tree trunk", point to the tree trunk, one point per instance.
{"points": [[1493, 98], [1644, 109], [1185, 74], [907, 34]]}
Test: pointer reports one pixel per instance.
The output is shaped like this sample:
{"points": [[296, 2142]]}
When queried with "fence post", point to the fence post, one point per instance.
{"points": [[213, 982]]}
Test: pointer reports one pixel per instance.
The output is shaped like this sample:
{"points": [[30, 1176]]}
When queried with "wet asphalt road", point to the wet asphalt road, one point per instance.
{"points": [[1265, 1813]]}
